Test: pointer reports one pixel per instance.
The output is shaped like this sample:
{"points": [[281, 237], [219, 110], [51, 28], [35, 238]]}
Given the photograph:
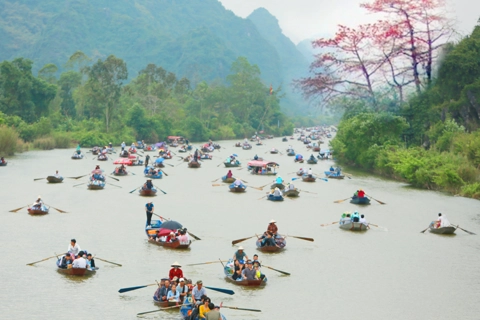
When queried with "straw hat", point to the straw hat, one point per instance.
{"points": [[272, 221], [176, 264]]}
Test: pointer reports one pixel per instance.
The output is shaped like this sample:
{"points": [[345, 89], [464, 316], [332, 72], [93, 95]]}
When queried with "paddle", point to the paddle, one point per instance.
{"points": [[32, 263], [376, 225], [168, 164], [132, 173], [61, 211], [122, 290], [114, 185], [338, 201], [240, 240], [38, 179], [244, 309], [375, 199], [160, 189], [219, 164], [134, 189], [226, 291], [117, 264], [78, 177], [261, 188], [285, 273], [469, 232], [197, 264], [114, 178], [217, 185], [15, 210], [161, 308], [262, 197], [424, 230], [328, 224], [307, 191], [164, 172], [80, 184], [302, 238], [216, 180]]}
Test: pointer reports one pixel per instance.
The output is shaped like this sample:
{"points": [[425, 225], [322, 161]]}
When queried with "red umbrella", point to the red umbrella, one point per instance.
{"points": [[164, 232], [125, 161]]}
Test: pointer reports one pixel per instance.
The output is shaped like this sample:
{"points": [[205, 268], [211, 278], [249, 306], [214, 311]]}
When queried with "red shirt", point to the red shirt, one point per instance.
{"points": [[361, 194], [175, 273]]}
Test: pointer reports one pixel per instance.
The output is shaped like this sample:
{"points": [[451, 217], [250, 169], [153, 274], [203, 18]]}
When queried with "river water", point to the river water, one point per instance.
{"points": [[392, 273]]}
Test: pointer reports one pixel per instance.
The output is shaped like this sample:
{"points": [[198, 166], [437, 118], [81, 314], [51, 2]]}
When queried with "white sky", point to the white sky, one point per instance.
{"points": [[303, 19]]}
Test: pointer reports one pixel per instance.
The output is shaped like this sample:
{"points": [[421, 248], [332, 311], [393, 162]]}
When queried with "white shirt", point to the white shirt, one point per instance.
{"points": [[364, 221], [310, 171], [443, 221], [291, 186], [79, 263], [75, 250]]}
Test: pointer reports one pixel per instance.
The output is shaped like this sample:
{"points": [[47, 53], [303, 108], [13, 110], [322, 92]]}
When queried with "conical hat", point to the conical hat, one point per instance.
{"points": [[176, 264]]}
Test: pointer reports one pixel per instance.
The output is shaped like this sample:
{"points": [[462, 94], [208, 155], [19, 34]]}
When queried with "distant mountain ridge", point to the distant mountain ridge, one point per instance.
{"points": [[197, 39]]}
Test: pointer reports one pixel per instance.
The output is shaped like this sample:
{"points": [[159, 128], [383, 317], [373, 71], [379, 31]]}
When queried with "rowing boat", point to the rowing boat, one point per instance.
{"points": [[291, 193], [75, 271], [229, 269], [353, 226], [237, 189], [312, 161], [357, 200], [54, 179], [96, 185], [271, 197], [274, 151], [151, 232], [246, 147], [299, 160], [333, 175], [147, 192], [77, 156], [291, 153], [3, 164], [38, 211], [186, 309], [443, 230], [228, 180], [308, 178], [232, 165], [280, 241]]}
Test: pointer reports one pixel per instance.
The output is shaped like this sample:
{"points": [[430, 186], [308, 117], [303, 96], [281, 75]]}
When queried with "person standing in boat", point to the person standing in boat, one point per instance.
{"points": [[78, 151], [175, 271], [73, 248], [123, 145], [149, 208], [38, 203], [240, 255]]}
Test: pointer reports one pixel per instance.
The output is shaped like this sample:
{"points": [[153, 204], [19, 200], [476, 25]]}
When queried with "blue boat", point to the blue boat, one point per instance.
{"points": [[237, 189], [146, 171], [334, 175], [271, 197], [357, 200]]}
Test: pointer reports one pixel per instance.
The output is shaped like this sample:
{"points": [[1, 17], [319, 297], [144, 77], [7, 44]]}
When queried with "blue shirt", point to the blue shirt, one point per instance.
{"points": [[149, 206], [279, 180]]}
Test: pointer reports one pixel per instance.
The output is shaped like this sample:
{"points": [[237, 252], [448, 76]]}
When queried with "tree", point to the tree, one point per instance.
{"points": [[48, 72], [67, 83]]}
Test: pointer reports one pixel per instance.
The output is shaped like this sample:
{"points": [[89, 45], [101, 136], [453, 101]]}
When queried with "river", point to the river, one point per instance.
{"points": [[392, 273]]}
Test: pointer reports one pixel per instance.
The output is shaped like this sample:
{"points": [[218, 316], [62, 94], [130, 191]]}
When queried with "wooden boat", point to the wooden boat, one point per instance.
{"points": [[284, 139], [306, 178], [300, 161], [229, 269], [312, 161], [165, 304], [237, 189], [151, 231], [228, 180], [54, 179], [38, 212], [206, 150], [158, 165], [333, 175], [186, 309], [281, 243], [231, 165], [96, 186], [443, 230], [147, 192], [76, 271], [280, 186], [3, 164], [77, 156], [358, 200], [194, 164], [353, 226], [292, 193], [182, 150], [246, 147], [271, 197], [274, 151], [291, 153], [102, 157], [238, 144], [150, 148], [264, 168], [300, 173], [95, 151], [316, 149]]}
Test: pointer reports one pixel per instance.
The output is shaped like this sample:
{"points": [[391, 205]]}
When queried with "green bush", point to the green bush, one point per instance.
{"points": [[44, 143], [62, 140], [471, 190], [8, 141]]}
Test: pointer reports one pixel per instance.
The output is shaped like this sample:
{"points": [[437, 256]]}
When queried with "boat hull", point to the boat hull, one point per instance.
{"points": [[312, 161], [363, 201], [281, 242], [291, 193], [228, 180], [333, 175], [92, 186], [77, 157], [443, 230], [194, 164], [280, 186], [309, 179], [238, 189], [228, 271], [147, 192], [353, 226], [230, 165], [80, 272], [53, 179], [37, 212], [271, 197]]}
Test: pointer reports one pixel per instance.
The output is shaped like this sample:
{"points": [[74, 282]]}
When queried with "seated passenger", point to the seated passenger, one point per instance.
{"points": [[229, 174], [171, 237], [237, 275], [255, 158], [356, 217], [331, 169], [279, 180], [238, 183], [258, 273], [277, 193], [363, 220], [90, 262], [361, 193], [173, 294], [65, 261]]}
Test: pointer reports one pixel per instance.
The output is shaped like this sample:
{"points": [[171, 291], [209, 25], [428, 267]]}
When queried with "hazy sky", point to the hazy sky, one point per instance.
{"points": [[302, 19]]}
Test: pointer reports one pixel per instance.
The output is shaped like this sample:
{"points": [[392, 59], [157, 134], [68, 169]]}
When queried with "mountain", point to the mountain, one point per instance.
{"points": [[197, 39]]}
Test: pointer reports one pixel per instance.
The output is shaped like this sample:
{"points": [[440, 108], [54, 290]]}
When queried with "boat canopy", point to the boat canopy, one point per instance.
{"points": [[258, 163]]}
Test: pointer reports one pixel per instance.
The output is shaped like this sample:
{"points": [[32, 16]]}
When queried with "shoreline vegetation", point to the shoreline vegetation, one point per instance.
{"points": [[91, 104]]}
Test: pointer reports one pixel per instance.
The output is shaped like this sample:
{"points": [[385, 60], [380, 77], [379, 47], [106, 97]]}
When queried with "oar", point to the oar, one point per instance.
{"points": [[376, 225], [244, 309], [338, 201], [226, 291], [114, 185], [114, 178], [168, 164], [240, 240], [375, 199], [216, 180], [469, 232], [160, 189], [78, 177], [219, 164], [217, 185], [286, 273], [38, 179], [15, 210], [161, 309], [164, 172], [117, 264], [134, 189], [197, 264], [132, 173], [262, 197], [80, 184], [122, 290], [261, 188], [31, 264], [424, 230], [302, 238], [61, 211], [307, 191], [328, 224]]}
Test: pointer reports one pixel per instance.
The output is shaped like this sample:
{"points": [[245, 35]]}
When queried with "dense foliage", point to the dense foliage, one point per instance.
{"points": [[93, 106], [432, 141]]}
